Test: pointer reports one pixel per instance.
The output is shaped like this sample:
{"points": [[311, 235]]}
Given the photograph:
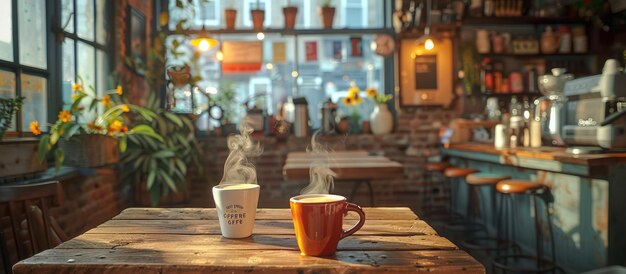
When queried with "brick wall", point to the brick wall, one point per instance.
{"points": [[88, 202], [413, 142]]}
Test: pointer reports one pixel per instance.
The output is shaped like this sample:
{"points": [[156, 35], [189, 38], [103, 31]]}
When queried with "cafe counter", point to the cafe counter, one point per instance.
{"points": [[588, 198]]}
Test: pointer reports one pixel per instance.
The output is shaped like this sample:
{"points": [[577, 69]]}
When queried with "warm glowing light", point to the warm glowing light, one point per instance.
{"points": [[370, 67], [260, 36], [219, 56], [294, 74], [269, 66], [429, 44], [204, 43]]}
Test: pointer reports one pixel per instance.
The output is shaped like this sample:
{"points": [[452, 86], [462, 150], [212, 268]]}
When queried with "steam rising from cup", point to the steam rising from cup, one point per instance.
{"points": [[321, 176], [238, 169]]}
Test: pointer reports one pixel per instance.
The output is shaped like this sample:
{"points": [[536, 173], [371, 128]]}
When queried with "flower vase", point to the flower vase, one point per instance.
{"points": [[381, 120], [355, 125]]}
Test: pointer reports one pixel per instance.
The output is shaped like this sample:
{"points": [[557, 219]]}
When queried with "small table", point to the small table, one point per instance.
{"points": [[352, 165], [188, 240]]}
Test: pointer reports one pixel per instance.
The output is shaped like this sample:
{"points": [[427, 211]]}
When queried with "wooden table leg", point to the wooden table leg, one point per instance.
{"points": [[356, 186]]}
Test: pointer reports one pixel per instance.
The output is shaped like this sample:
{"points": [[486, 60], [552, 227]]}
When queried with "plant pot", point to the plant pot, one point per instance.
{"points": [[343, 126], [231, 17], [258, 16], [90, 150], [381, 120], [19, 157], [290, 14], [328, 15]]}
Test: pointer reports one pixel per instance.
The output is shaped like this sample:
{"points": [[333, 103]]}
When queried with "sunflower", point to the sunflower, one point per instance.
{"points": [[371, 92], [353, 90], [119, 90], [106, 100], [356, 99], [65, 116], [347, 100], [76, 87], [34, 128], [124, 108]]}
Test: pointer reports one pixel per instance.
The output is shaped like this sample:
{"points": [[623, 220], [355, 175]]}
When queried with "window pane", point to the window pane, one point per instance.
{"points": [[67, 8], [7, 89], [32, 32], [84, 17], [6, 31], [86, 65], [101, 22], [69, 72], [35, 104], [103, 76]]}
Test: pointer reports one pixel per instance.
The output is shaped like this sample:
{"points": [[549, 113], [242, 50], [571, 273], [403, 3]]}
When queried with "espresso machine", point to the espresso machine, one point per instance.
{"points": [[550, 108], [596, 111]]}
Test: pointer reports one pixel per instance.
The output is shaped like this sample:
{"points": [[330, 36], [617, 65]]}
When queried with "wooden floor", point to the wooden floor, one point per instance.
{"points": [[185, 240]]}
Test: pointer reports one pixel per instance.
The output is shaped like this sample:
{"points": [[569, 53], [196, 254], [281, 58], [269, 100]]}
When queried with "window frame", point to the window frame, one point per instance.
{"points": [[199, 5], [364, 9], [19, 69], [54, 46]]}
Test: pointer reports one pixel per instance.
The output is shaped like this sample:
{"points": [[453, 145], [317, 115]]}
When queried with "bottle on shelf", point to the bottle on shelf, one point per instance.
{"points": [[486, 76], [516, 122], [531, 81], [488, 8], [498, 77], [476, 8]]}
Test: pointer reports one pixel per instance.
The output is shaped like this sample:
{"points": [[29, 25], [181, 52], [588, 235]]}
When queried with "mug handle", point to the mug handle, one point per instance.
{"points": [[357, 226]]}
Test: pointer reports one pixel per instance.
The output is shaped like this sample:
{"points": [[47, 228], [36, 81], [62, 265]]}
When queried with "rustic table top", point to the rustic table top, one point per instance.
{"points": [[188, 240], [348, 165]]}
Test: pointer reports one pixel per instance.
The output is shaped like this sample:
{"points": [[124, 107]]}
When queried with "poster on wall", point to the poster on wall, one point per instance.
{"points": [[242, 56], [279, 52], [356, 47], [311, 51], [337, 48], [425, 69]]}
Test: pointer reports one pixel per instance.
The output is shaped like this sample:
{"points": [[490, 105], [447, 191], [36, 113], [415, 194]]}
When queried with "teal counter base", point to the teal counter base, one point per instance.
{"points": [[588, 211]]}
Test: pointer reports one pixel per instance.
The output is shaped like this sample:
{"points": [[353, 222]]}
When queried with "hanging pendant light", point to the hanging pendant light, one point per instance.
{"points": [[427, 39], [204, 43]]}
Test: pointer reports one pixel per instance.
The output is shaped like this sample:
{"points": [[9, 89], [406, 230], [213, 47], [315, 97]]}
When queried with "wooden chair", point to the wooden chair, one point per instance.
{"points": [[33, 229]]}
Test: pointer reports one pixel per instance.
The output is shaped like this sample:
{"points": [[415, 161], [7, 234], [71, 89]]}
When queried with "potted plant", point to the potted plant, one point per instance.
{"points": [[83, 137], [381, 120], [290, 12], [327, 13], [158, 170], [8, 108], [230, 15], [258, 16], [225, 99], [353, 115]]}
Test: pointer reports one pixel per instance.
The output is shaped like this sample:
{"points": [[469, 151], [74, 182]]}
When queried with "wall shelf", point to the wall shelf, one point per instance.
{"points": [[281, 31], [538, 55], [521, 20]]}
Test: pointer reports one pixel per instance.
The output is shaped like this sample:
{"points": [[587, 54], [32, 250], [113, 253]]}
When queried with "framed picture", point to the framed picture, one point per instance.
{"points": [[426, 75], [136, 50]]}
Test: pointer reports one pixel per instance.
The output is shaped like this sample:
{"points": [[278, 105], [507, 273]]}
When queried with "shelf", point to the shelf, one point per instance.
{"points": [[537, 55], [334, 31], [521, 20], [523, 94]]}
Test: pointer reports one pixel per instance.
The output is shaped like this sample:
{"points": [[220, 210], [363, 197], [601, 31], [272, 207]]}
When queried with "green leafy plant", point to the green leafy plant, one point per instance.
{"points": [[469, 55], [8, 107], [83, 118], [163, 166], [226, 99], [325, 3]]}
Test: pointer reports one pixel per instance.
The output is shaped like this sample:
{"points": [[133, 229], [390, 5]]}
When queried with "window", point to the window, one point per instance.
{"points": [[24, 59], [84, 49], [207, 13], [354, 13], [324, 66]]}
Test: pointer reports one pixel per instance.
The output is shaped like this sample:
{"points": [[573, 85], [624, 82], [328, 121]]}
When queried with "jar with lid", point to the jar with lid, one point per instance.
{"points": [[483, 44], [579, 39], [565, 39]]}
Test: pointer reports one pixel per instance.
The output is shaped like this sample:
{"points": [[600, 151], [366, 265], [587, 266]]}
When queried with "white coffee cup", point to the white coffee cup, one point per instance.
{"points": [[236, 206]]}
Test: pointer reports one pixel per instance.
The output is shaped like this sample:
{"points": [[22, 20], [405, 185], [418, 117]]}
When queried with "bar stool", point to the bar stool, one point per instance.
{"points": [[481, 180], [455, 174], [431, 169], [509, 188]]}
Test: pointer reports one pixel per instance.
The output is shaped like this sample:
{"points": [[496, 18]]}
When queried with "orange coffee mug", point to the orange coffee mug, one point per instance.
{"points": [[318, 220]]}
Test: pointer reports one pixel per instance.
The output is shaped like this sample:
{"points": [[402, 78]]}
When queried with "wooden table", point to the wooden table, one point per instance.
{"points": [[352, 165], [188, 240]]}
